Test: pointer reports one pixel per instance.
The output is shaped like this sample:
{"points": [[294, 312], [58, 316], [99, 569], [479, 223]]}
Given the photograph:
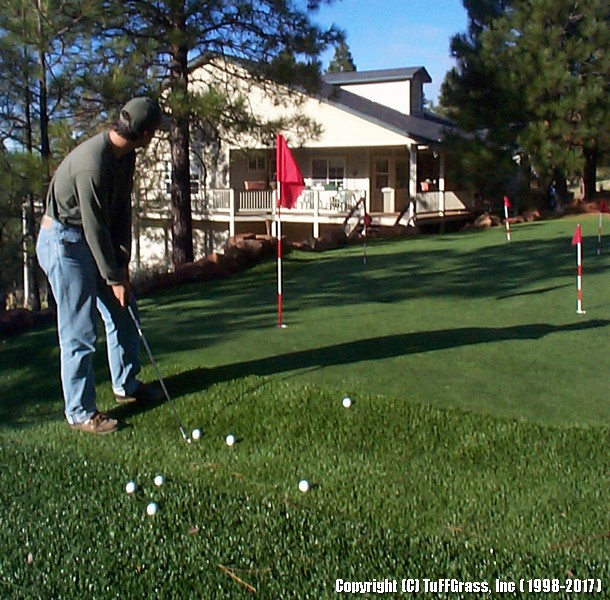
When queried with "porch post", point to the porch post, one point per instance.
{"points": [[316, 214], [412, 149], [412, 170], [231, 212]]}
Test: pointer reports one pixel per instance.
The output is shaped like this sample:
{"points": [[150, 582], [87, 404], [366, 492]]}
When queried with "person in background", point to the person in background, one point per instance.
{"points": [[84, 247]]}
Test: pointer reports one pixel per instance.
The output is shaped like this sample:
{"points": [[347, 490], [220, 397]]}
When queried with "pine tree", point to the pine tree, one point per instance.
{"points": [[342, 60], [35, 39], [532, 78], [554, 53], [168, 37], [475, 96]]}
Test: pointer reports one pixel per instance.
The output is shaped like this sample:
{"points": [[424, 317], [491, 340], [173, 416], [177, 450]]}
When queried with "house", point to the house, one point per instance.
{"points": [[377, 149]]}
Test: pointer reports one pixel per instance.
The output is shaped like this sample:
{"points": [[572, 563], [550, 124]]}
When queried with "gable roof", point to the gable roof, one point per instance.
{"points": [[426, 129], [377, 76]]}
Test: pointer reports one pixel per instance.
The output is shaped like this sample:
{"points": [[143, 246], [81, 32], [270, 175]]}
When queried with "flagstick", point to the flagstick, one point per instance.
{"points": [[290, 183], [364, 242], [506, 221], [599, 235], [279, 268], [578, 242]]}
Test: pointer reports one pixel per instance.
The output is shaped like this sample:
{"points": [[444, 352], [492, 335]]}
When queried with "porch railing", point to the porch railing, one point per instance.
{"points": [[311, 202], [440, 203], [209, 201]]}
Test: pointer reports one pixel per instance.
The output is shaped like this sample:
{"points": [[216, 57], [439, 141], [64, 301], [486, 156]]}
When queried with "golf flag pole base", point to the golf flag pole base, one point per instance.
{"points": [[577, 241]]}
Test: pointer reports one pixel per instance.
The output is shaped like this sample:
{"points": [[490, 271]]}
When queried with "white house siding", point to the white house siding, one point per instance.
{"points": [[339, 127], [395, 94]]}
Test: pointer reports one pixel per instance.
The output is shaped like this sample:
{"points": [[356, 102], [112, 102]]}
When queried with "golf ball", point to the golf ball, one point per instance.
{"points": [[196, 434], [347, 402], [304, 485], [131, 487], [230, 439], [152, 509], [159, 480]]}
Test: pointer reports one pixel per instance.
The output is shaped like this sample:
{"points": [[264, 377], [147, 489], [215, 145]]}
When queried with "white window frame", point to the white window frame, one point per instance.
{"points": [[339, 165]]}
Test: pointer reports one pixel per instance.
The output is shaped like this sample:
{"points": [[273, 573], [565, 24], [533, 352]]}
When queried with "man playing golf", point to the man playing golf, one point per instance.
{"points": [[84, 247]]}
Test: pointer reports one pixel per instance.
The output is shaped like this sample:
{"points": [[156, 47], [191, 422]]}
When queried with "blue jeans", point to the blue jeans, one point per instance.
{"points": [[79, 290]]}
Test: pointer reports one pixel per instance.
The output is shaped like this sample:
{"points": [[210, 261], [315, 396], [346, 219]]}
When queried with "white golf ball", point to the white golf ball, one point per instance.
{"points": [[230, 439], [196, 434], [131, 487], [304, 485], [152, 509], [347, 402], [159, 480]]}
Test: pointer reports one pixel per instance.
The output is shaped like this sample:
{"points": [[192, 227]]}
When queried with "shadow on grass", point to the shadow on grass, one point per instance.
{"points": [[378, 348], [533, 292], [199, 315]]}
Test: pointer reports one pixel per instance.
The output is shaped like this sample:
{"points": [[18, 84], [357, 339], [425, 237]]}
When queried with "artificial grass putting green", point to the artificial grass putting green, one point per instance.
{"points": [[476, 446]]}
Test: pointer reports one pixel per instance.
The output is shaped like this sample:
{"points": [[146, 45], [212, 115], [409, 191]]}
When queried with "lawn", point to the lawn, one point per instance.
{"points": [[475, 449]]}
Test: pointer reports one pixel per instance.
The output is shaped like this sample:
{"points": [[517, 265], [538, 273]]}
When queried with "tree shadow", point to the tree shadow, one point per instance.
{"points": [[378, 348]]}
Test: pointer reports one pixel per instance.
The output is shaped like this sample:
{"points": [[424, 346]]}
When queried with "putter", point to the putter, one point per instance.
{"points": [[136, 322]]}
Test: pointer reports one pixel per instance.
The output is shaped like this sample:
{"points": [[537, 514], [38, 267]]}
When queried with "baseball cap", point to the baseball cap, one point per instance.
{"points": [[143, 113]]}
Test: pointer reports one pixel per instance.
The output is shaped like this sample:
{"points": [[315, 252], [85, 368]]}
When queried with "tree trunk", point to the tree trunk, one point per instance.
{"points": [[182, 226], [590, 172], [182, 223]]}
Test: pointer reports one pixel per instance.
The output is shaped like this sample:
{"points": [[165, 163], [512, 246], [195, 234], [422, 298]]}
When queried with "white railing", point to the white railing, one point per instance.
{"points": [[254, 200], [439, 202], [311, 201], [209, 201], [335, 201]]}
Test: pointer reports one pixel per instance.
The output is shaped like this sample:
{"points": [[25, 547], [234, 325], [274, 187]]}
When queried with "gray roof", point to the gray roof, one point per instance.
{"points": [[377, 76], [427, 128]]}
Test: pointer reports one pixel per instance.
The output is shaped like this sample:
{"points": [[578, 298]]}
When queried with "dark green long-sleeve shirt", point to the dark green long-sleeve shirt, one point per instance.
{"points": [[91, 189]]}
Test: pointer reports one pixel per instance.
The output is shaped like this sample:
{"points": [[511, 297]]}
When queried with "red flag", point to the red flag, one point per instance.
{"points": [[577, 237], [288, 174], [603, 207], [507, 202]]}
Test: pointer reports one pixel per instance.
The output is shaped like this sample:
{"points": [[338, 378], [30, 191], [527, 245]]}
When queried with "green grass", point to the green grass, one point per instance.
{"points": [[476, 447]]}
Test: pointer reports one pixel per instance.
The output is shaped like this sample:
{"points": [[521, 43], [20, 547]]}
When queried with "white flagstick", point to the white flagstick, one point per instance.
{"points": [[279, 268], [599, 235], [364, 242], [506, 220], [577, 241]]}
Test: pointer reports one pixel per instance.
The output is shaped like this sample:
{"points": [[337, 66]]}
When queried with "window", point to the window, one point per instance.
{"points": [[167, 177], [382, 173], [257, 162], [195, 180], [328, 171], [402, 174], [194, 183]]}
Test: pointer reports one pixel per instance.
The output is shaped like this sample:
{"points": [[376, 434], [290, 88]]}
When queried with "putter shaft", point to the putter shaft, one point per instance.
{"points": [[153, 362]]}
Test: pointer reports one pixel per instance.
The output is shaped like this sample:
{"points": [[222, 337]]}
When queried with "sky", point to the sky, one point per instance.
{"points": [[387, 34]]}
